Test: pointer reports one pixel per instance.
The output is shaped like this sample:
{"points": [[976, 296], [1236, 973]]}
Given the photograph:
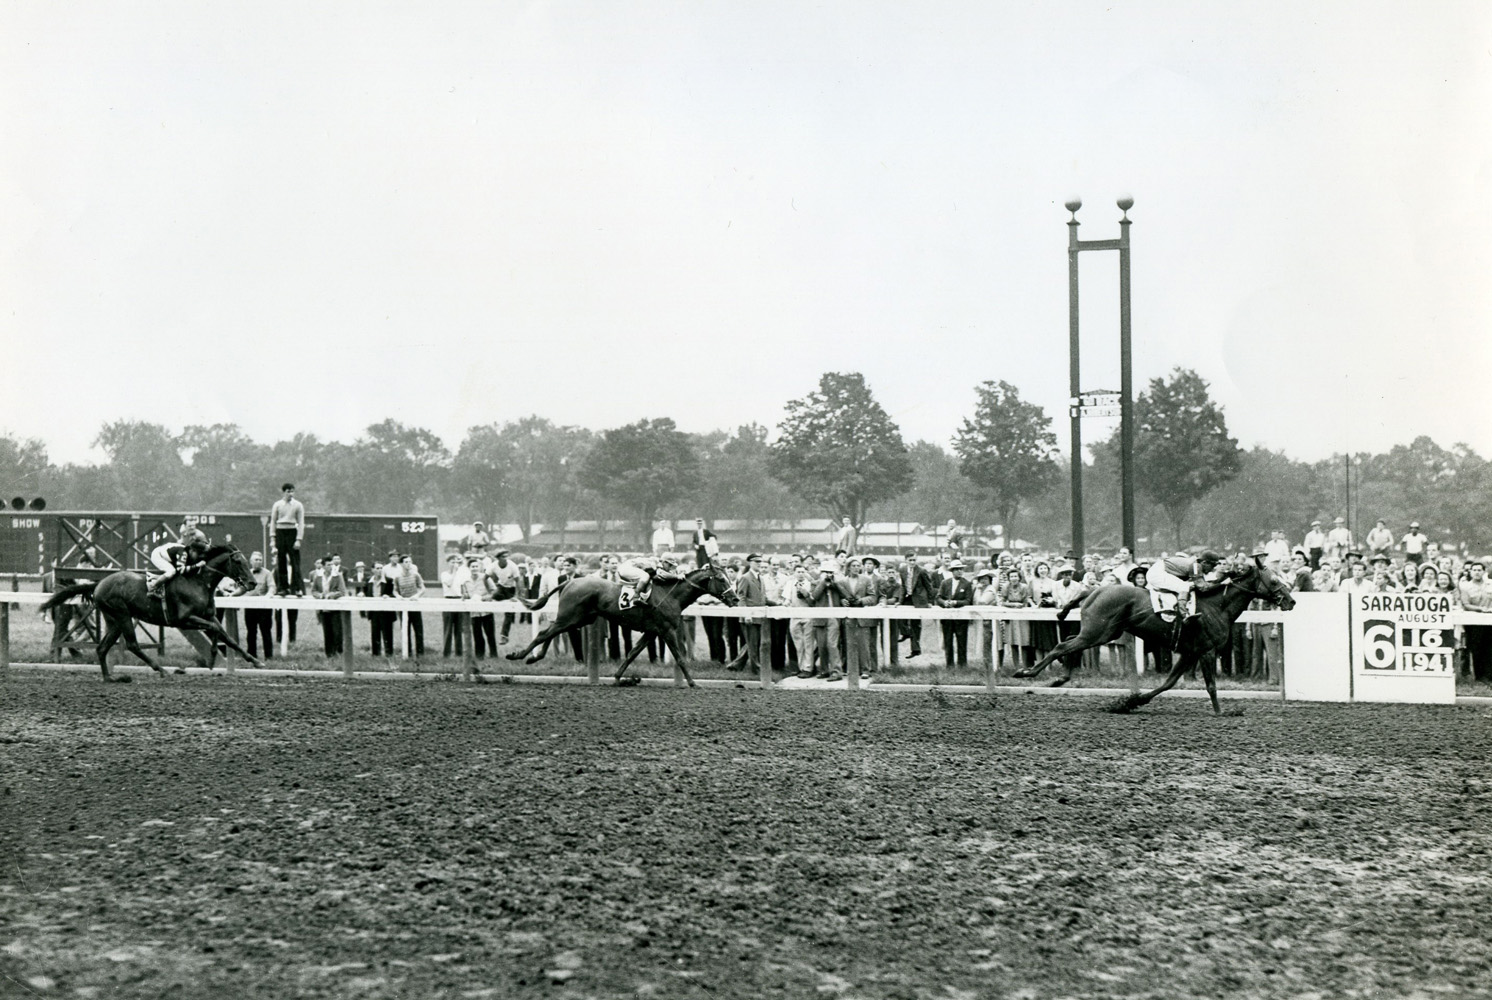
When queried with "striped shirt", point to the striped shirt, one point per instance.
{"points": [[409, 584]]}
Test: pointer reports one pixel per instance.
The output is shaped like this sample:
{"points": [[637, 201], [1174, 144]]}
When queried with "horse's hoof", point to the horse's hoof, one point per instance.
{"points": [[1023, 674], [122, 679], [1059, 682], [179, 670], [627, 682], [1124, 706], [515, 655]]}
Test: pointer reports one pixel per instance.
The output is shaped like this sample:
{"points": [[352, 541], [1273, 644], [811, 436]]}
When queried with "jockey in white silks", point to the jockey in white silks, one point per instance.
{"points": [[643, 570], [1173, 579], [186, 551]]}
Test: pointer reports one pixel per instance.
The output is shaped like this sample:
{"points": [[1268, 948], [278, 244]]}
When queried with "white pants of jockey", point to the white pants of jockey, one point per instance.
{"points": [[630, 573], [1161, 582], [161, 560]]}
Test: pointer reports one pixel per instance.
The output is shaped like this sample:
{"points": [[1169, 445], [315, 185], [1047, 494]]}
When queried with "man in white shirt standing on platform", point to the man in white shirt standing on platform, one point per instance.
{"points": [[1415, 543], [1338, 539], [1315, 545], [287, 518], [1380, 539], [663, 539]]}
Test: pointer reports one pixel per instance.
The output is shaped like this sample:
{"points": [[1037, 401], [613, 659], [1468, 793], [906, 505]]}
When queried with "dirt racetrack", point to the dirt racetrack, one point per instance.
{"points": [[206, 838]]}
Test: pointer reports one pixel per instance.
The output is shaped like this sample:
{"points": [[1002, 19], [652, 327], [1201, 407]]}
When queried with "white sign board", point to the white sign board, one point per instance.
{"points": [[1403, 648]]}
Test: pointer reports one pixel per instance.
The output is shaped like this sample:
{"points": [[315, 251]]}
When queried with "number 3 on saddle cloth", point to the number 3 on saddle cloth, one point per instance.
{"points": [[627, 597]]}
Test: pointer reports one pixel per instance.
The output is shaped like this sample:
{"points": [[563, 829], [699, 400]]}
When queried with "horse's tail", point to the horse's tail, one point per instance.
{"points": [[68, 593], [539, 602]]}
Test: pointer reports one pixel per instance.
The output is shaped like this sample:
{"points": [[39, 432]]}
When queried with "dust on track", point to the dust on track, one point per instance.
{"points": [[205, 838]]}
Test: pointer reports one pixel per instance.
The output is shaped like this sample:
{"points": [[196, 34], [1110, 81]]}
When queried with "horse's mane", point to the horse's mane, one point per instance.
{"points": [[218, 550]]}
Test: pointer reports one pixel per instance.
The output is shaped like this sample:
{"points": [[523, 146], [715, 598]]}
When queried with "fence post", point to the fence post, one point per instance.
{"points": [[990, 650], [346, 624], [851, 629], [593, 641], [469, 657], [4, 641], [764, 652]]}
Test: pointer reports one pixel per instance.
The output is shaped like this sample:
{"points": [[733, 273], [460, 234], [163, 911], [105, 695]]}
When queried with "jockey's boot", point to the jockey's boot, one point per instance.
{"points": [[644, 591]]}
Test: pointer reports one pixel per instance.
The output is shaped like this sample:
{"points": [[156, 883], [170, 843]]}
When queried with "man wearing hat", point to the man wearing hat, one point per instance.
{"points": [[1338, 539], [860, 633], [1277, 549], [1315, 544], [478, 540], [1068, 590], [1415, 542], [956, 592]]}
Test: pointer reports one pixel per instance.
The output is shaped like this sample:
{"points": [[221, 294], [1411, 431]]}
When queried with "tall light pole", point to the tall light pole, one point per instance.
{"points": [[1096, 404]]}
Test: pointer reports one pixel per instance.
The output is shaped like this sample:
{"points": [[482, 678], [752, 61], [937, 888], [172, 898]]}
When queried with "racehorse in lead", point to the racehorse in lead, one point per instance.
{"points": [[584, 600], [123, 599], [1110, 611]]}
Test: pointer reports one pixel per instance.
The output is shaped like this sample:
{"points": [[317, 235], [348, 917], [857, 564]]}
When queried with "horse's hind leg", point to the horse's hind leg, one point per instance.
{"points": [[631, 655], [1083, 640], [133, 645], [106, 643]]}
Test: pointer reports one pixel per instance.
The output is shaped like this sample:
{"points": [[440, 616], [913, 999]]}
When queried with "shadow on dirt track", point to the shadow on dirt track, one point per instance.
{"points": [[209, 839]]}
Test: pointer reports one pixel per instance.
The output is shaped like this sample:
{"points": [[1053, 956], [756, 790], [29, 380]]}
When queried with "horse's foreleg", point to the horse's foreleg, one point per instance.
{"points": [[1209, 677], [216, 634], [1134, 701], [681, 655]]}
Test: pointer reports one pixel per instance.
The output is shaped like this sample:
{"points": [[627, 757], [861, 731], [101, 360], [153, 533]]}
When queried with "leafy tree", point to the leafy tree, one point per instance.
{"points": [[641, 466], [1008, 448], [839, 449], [1182, 447], [1270, 491], [24, 469], [526, 469], [224, 468], [938, 491], [734, 478], [145, 466], [391, 469]]}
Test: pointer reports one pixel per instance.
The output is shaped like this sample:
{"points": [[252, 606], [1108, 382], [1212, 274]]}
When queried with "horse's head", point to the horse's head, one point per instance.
{"points": [[712, 580], [1250, 573], [229, 561]]}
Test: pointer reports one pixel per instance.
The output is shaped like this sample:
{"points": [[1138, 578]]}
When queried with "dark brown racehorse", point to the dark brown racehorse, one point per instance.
{"points": [[122, 599], [1110, 611], [584, 600]]}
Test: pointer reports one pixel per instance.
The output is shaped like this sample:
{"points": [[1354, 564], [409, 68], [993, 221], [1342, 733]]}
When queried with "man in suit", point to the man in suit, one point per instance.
{"points": [[860, 633], [751, 592], [956, 592], [916, 590]]}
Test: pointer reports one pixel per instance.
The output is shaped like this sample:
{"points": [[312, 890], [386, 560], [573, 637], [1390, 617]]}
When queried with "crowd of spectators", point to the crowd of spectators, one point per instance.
{"points": [[1325, 560]]}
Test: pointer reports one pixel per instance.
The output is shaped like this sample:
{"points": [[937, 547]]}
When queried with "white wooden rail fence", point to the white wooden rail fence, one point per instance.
{"points": [[348, 607]]}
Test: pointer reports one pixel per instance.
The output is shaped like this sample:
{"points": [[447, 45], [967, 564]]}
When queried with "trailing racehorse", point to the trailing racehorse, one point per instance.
{"points": [[584, 600], [1109, 611], [187, 603]]}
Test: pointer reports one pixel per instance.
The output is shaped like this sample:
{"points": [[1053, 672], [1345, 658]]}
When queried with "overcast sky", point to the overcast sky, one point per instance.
{"points": [[309, 217]]}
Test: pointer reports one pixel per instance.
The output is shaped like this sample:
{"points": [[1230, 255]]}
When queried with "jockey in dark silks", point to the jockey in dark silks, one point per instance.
{"points": [[174, 557]]}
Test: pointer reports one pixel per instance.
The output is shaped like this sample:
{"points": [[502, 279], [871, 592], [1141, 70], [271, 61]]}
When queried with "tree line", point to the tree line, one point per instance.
{"points": [[836, 453]]}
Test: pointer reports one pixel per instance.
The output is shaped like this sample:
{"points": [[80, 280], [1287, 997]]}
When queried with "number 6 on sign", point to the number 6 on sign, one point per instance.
{"points": [[1380, 652]]}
